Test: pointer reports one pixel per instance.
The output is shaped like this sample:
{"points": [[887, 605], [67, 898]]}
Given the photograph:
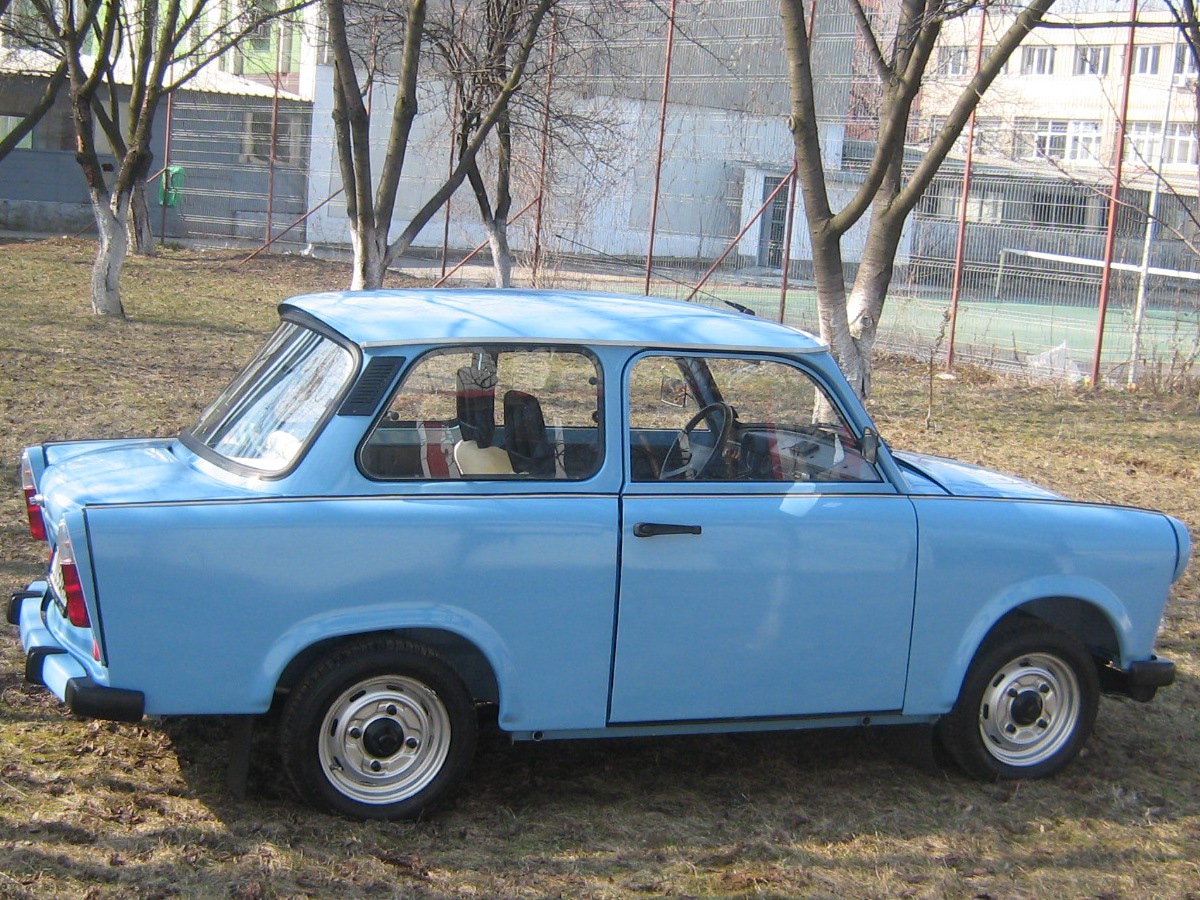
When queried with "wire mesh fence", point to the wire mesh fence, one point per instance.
{"points": [[679, 184]]}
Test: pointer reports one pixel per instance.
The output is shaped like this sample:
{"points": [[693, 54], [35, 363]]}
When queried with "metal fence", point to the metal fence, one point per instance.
{"points": [[682, 187], [221, 181]]}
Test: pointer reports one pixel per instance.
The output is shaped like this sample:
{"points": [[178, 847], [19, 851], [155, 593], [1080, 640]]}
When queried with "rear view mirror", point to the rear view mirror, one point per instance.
{"points": [[870, 445]]}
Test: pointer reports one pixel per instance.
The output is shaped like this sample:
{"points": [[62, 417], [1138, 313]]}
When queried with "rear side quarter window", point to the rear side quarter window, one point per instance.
{"points": [[491, 412]]}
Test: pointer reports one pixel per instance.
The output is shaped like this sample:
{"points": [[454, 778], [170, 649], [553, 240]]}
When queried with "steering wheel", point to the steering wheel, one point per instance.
{"points": [[693, 464]]}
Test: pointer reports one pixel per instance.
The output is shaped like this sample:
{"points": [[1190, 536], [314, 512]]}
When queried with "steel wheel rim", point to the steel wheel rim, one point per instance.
{"points": [[385, 739], [1030, 709]]}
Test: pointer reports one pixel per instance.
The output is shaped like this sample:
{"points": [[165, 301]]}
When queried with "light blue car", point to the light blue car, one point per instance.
{"points": [[604, 515]]}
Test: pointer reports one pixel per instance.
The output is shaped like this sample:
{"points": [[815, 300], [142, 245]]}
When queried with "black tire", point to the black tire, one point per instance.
{"points": [[381, 728], [1027, 705]]}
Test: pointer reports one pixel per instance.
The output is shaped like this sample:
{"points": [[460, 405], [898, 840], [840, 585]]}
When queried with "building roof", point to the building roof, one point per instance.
{"points": [[210, 79], [380, 318]]}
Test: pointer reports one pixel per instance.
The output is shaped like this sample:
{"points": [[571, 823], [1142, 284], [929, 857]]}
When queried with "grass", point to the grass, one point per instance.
{"points": [[98, 810]]}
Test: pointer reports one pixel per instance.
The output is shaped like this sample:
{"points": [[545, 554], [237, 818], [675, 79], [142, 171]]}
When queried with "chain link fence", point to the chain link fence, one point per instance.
{"points": [[671, 175]]}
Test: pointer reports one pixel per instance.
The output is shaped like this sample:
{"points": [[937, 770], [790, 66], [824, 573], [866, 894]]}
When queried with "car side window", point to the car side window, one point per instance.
{"points": [[737, 419], [491, 412]]}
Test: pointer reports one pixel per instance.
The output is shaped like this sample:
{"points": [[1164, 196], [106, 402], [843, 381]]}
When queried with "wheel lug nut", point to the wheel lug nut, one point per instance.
{"points": [[355, 733], [376, 766], [1010, 729], [412, 743], [1012, 694], [1042, 723], [391, 709]]}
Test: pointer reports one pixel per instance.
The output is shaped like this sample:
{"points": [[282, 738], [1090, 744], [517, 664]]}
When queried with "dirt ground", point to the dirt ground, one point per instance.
{"points": [[98, 810]]}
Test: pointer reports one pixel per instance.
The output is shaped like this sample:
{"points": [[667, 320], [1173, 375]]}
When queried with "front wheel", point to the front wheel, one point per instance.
{"points": [[1026, 707], [380, 729]]}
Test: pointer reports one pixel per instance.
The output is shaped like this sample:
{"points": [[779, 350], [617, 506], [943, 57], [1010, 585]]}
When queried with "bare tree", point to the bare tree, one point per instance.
{"points": [[370, 205], [474, 43], [472, 47], [889, 190], [102, 47]]}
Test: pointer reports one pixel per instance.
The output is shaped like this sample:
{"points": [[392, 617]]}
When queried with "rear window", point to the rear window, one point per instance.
{"points": [[267, 415]]}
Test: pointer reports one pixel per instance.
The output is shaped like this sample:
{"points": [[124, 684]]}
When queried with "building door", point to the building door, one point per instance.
{"points": [[774, 226]]}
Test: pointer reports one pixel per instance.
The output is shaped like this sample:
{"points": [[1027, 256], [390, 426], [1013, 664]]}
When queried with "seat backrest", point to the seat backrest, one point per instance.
{"points": [[529, 449]]}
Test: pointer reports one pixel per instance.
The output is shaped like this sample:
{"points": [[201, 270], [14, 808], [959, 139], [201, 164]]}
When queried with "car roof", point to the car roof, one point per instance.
{"points": [[430, 316]]}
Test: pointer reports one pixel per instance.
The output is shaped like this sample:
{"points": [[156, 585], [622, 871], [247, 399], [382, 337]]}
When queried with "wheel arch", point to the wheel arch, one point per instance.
{"points": [[1086, 611], [464, 655]]}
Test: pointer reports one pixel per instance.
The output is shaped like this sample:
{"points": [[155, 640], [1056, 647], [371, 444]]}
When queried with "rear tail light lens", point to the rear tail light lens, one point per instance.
{"points": [[68, 581], [33, 508]]}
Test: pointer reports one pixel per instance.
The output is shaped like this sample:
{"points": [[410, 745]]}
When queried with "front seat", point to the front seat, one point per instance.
{"points": [[476, 402], [529, 450]]}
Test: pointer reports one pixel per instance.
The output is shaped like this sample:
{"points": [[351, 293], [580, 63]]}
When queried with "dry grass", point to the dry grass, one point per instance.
{"points": [[101, 810]]}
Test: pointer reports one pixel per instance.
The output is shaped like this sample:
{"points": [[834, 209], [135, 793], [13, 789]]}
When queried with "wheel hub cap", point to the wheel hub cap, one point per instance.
{"points": [[1026, 709], [384, 739], [1030, 710]]}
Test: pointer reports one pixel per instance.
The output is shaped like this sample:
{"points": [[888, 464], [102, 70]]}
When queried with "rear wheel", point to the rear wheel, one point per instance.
{"points": [[1026, 707], [380, 729]]}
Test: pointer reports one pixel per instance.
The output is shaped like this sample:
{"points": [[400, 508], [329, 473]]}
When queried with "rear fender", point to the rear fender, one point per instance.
{"points": [[297, 644]]}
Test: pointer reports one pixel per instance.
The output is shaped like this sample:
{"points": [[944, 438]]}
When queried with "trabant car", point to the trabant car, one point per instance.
{"points": [[602, 515]]}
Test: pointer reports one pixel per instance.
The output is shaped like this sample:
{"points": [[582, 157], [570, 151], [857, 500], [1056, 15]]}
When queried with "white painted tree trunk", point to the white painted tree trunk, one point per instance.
{"points": [[865, 304], [370, 257], [111, 215], [502, 261]]}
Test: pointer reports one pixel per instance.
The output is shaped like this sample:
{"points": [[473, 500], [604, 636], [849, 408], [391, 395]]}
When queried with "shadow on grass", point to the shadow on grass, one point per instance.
{"points": [[703, 773]]}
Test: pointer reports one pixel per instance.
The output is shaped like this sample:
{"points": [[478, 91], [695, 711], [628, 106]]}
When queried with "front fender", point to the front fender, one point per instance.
{"points": [[933, 691]]}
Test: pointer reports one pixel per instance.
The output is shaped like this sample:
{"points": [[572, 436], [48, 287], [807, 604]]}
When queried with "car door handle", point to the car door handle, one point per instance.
{"points": [[653, 529]]}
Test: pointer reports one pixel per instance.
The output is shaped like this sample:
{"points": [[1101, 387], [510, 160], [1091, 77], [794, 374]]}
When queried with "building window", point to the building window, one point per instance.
{"points": [[1057, 205], [1037, 60], [8, 124], [952, 62], [1091, 60], [260, 37], [988, 50], [1083, 141], [1185, 60], [1145, 60], [1180, 147], [1072, 140], [1144, 139], [993, 137]]}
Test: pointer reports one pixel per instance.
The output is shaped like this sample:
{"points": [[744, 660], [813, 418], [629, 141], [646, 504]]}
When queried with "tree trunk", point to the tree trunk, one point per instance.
{"points": [[110, 255], [831, 300], [502, 261], [370, 256], [865, 305], [139, 227]]}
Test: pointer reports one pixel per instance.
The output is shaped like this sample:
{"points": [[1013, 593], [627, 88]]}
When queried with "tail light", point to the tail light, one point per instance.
{"points": [[33, 507], [66, 577]]}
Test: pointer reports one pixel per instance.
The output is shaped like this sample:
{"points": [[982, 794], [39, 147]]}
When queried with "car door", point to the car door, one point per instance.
{"points": [[767, 567]]}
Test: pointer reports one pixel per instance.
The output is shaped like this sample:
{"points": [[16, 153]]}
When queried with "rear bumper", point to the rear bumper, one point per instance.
{"points": [[47, 663]]}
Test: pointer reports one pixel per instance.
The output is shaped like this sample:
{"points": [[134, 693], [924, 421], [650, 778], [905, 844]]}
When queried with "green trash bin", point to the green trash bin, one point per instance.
{"points": [[170, 191]]}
